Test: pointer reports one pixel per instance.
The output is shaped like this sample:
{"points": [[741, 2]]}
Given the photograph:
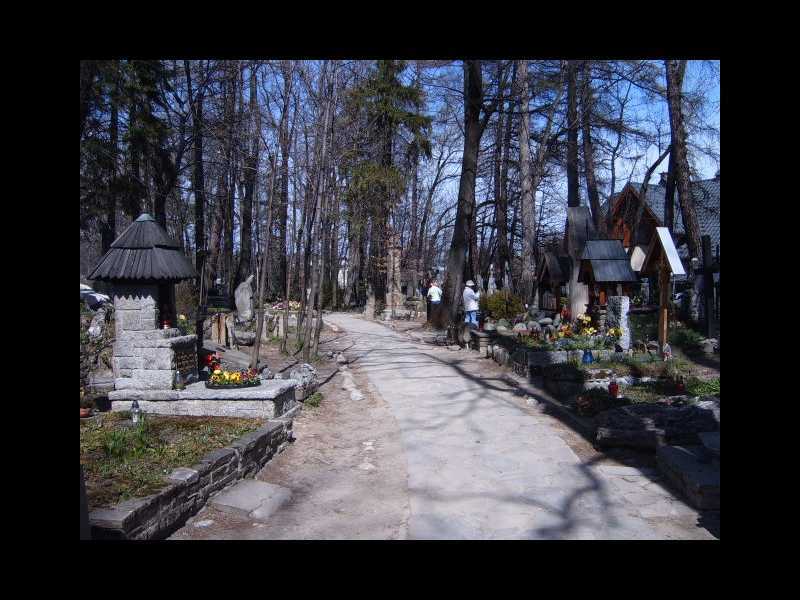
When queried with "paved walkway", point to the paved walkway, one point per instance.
{"points": [[484, 465]]}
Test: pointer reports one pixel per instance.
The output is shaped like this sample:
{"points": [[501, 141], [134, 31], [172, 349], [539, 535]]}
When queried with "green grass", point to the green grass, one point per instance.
{"points": [[686, 339], [314, 400], [699, 387], [651, 391], [123, 462], [648, 366]]}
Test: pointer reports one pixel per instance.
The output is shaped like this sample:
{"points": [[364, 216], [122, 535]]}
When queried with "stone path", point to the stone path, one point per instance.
{"points": [[482, 464], [420, 442]]}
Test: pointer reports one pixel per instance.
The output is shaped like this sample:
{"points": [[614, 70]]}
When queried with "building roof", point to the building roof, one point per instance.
{"points": [[144, 251], [612, 271], [707, 207], [604, 250], [580, 228], [608, 261], [556, 267], [662, 243]]}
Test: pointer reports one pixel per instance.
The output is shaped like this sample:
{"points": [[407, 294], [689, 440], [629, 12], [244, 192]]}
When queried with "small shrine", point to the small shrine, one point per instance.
{"points": [[155, 366], [606, 269], [142, 267]]}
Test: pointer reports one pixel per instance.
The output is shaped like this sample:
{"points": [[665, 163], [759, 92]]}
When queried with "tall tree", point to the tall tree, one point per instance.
{"points": [[250, 177], [528, 277], [474, 126], [503, 145], [675, 70], [587, 103], [573, 198]]}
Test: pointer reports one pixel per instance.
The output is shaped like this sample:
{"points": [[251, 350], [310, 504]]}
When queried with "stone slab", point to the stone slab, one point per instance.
{"points": [[268, 390], [251, 498], [710, 440], [697, 479], [205, 408]]}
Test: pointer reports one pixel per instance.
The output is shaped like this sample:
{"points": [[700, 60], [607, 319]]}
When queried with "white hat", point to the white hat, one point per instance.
{"points": [[470, 282]]}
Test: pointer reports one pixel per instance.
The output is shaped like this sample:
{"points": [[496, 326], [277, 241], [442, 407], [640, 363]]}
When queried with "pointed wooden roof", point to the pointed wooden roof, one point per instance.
{"points": [[144, 251]]}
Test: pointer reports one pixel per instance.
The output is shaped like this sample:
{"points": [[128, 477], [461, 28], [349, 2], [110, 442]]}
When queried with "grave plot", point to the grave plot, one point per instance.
{"points": [[156, 368]]}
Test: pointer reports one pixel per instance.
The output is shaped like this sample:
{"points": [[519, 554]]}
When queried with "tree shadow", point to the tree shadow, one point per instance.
{"points": [[501, 390]]}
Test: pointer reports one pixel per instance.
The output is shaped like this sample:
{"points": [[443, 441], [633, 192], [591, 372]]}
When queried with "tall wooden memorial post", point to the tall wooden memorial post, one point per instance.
{"points": [[662, 260]]}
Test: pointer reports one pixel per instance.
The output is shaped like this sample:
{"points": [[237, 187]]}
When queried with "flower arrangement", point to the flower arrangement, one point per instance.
{"points": [[243, 378], [212, 362], [564, 331], [293, 305]]}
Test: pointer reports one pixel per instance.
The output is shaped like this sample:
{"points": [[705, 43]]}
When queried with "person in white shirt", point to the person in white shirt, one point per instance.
{"points": [[471, 298], [435, 293], [434, 296]]}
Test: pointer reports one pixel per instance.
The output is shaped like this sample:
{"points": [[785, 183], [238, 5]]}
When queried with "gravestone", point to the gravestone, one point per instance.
{"points": [[617, 316], [369, 308], [492, 283], [244, 299]]}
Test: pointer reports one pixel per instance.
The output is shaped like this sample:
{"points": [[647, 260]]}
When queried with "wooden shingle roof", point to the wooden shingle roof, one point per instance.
{"points": [[608, 261], [144, 251]]}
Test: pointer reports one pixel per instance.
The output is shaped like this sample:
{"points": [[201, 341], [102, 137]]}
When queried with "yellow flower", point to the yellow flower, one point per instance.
{"points": [[217, 372]]}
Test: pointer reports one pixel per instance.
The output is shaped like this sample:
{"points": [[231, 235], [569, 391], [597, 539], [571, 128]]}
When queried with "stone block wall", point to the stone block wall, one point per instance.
{"points": [[159, 515], [146, 357]]}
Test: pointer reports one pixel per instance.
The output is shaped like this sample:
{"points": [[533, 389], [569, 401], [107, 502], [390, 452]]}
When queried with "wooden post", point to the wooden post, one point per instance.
{"points": [[663, 309], [708, 284]]}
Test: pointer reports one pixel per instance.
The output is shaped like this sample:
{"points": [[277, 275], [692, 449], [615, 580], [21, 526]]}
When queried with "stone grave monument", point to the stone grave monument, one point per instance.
{"points": [[617, 316], [153, 363]]}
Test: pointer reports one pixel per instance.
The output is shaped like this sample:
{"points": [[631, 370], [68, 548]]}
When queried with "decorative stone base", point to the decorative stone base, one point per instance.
{"points": [[273, 398], [481, 340]]}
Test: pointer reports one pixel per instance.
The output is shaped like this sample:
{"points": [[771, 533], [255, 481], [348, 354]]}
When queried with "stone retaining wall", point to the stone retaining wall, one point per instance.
{"points": [[506, 351], [158, 515]]}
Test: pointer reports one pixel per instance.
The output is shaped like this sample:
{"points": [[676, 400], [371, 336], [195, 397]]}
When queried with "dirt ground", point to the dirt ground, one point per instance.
{"points": [[346, 468]]}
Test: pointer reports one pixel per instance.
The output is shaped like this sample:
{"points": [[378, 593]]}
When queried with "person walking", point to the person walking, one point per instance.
{"points": [[434, 296], [471, 297]]}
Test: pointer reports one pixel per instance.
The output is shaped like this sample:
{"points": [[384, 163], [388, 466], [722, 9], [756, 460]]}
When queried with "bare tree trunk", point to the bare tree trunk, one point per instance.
{"points": [[287, 69], [643, 196], [198, 188], [88, 75], [573, 197], [456, 261], [501, 189], [254, 358], [669, 195], [230, 175], [675, 70], [588, 150], [250, 176], [109, 226], [528, 278], [315, 223]]}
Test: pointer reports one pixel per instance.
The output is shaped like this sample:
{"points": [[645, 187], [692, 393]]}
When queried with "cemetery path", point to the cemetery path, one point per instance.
{"points": [[442, 444], [483, 463]]}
